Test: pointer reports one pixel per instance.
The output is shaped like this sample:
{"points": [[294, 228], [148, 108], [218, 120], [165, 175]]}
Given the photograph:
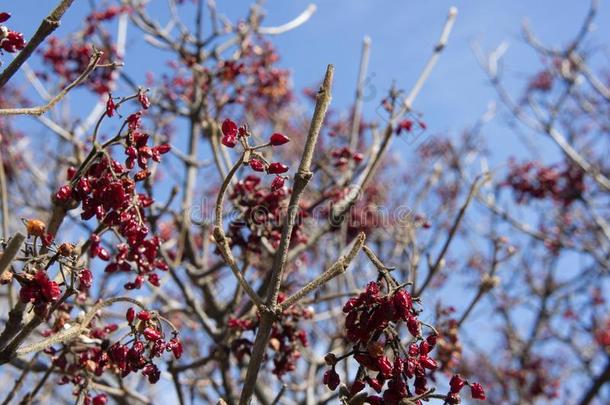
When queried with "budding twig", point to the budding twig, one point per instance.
{"points": [[301, 178], [338, 268], [454, 227]]}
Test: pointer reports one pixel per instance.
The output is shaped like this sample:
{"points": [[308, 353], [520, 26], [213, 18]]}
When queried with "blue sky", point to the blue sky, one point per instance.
{"points": [[403, 33]]}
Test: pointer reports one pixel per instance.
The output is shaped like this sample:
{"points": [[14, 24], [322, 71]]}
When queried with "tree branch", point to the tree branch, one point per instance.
{"points": [[47, 26]]}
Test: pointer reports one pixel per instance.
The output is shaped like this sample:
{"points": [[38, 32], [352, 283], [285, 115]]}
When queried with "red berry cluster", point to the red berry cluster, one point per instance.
{"points": [[10, 41], [262, 211], [262, 87], [38, 290], [78, 362], [255, 82], [107, 191], [147, 344], [455, 386], [69, 59], [532, 180], [342, 156], [231, 134], [373, 324], [285, 341]]}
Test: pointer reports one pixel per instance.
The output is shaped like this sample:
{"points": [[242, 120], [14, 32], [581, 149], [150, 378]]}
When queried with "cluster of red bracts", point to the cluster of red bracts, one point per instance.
{"points": [[146, 345], [38, 290], [372, 323], [107, 192], [69, 58], [230, 135], [263, 210], [285, 341], [532, 180], [10, 41]]}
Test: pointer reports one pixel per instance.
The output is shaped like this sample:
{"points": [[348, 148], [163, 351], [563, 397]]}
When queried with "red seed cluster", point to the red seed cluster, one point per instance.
{"points": [[38, 290], [107, 191], [10, 41], [230, 135], [262, 212], [254, 82], [285, 341], [532, 180], [146, 343], [69, 58], [393, 372]]}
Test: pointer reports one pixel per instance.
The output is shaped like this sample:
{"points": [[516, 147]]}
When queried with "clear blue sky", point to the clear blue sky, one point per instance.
{"points": [[403, 33]]}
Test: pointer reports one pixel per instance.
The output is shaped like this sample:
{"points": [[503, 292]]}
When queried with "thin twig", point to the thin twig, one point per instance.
{"points": [[452, 232], [338, 268], [39, 110]]}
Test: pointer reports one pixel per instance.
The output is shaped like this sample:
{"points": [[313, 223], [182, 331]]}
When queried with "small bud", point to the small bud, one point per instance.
{"points": [[143, 99], [331, 379], [229, 141], [278, 139], [229, 128], [141, 175], [151, 334], [456, 383], [277, 183], [144, 316], [110, 106], [130, 315], [277, 168], [257, 165], [330, 359]]}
